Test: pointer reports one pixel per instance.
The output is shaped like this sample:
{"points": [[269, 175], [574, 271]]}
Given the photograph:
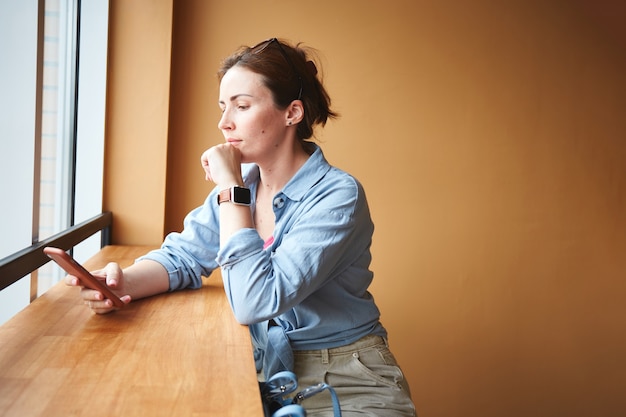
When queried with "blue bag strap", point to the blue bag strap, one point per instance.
{"points": [[315, 389], [278, 385], [291, 410], [285, 382]]}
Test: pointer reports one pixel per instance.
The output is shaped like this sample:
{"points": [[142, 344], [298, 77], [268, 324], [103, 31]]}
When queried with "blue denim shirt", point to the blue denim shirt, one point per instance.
{"points": [[312, 280]]}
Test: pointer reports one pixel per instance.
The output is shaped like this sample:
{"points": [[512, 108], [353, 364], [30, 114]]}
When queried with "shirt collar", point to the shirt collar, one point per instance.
{"points": [[308, 175]]}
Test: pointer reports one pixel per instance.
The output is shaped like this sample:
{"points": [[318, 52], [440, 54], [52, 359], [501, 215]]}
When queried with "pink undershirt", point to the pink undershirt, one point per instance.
{"points": [[268, 242]]}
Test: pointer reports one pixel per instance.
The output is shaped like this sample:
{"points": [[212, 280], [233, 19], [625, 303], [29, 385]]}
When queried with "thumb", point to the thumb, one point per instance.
{"points": [[113, 274]]}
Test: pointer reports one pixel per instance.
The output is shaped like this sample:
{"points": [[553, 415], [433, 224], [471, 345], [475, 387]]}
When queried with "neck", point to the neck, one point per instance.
{"points": [[277, 173]]}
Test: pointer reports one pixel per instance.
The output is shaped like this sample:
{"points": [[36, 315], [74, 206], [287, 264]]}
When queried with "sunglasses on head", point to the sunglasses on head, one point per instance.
{"points": [[259, 48]]}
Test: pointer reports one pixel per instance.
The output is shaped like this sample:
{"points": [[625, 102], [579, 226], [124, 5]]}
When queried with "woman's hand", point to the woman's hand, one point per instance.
{"points": [[113, 276], [222, 165]]}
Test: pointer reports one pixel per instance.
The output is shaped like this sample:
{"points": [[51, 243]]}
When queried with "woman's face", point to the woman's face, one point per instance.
{"points": [[250, 120]]}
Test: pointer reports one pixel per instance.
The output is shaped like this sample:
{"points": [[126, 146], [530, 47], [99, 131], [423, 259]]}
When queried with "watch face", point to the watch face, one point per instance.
{"points": [[241, 195]]}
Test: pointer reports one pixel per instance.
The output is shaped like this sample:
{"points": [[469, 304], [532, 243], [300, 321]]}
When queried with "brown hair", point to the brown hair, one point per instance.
{"points": [[289, 73]]}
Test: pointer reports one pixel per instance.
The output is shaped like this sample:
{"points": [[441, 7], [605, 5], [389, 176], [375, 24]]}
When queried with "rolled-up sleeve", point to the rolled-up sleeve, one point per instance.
{"points": [[191, 254]]}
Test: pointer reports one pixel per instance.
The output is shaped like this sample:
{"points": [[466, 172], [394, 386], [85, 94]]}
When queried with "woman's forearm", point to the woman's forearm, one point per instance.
{"points": [[146, 278]]}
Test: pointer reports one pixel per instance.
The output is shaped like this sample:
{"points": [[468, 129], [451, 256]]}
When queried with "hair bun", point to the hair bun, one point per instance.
{"points": [[311, 67]]}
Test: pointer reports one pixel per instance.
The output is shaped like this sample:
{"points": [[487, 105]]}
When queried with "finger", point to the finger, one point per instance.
{"points": [[72, 281], [88, 294], [204, 158], [207, 170], [100, 307], [111, 275], [105, 306]]}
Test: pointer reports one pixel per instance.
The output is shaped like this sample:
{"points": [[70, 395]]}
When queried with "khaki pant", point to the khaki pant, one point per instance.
{"points": [[364, 374]]}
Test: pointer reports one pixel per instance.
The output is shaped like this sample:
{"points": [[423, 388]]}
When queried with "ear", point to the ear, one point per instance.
{"points": [[295, 113]]}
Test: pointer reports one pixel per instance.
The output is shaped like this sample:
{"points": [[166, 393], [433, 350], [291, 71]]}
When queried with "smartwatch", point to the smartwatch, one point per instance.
{"points": [[236, 195]]}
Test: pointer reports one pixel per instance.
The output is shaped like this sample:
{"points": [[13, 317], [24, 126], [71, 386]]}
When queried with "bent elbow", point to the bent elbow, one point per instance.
{"points": [[248, 313], [245, 313], [244, 318]]}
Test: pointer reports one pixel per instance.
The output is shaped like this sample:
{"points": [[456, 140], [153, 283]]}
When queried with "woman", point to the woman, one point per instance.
{"points": [[292, 235]]}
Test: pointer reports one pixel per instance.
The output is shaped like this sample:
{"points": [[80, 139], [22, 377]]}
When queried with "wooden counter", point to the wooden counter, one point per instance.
{"points": [[177, 354]]}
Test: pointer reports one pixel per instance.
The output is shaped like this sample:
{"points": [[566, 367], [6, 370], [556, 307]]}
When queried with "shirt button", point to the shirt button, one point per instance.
{"points": [[279, 202]]}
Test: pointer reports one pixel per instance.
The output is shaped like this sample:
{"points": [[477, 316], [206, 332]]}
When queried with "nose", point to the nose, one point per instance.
{"points": [[225, 123]]}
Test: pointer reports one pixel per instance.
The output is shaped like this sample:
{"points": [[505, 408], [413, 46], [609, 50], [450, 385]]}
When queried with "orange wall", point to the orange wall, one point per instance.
{"points": [[489, 136], [140, 50]]}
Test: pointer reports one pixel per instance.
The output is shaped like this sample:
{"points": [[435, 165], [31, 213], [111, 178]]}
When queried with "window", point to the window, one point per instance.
{"points": [[53, 80]]}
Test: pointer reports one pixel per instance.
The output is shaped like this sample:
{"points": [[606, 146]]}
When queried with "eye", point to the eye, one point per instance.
{"points": [[243, 107]]}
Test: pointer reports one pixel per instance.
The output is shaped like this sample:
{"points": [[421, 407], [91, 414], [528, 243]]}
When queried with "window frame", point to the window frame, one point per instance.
{"points": [[22, 145]]}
